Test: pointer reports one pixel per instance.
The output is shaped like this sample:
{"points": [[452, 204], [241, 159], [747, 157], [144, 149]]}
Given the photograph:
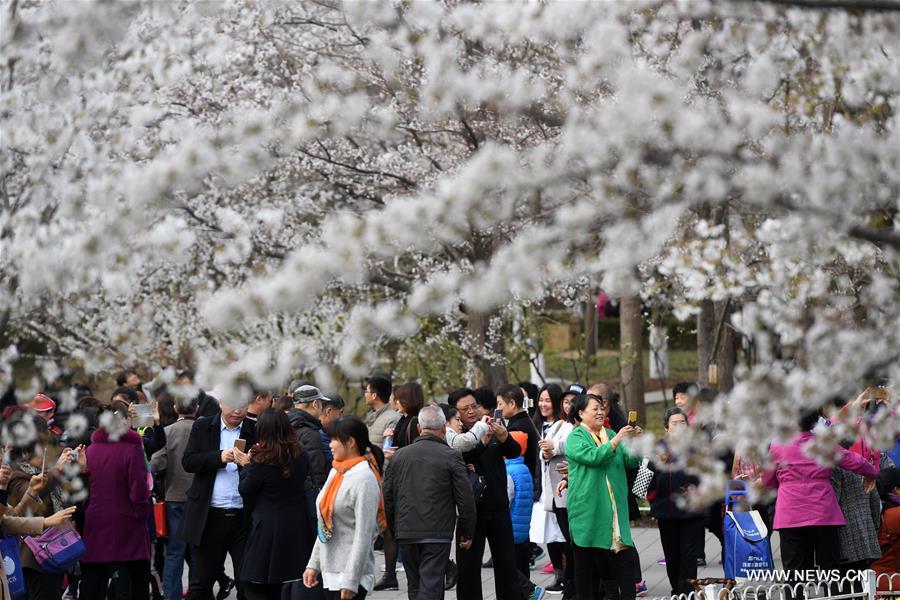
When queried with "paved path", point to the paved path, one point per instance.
{"points": [[647, 543], [646, 540]]}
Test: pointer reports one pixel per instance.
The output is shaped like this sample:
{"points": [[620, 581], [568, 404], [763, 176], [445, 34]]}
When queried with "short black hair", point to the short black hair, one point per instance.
{"points": [[887, 480], [671, 413], [122, 377], [485, 398], [187, 405], [450, 410], [512, 393], [682, 387], [808, 419], [382, 387], [334, 401], [454, 396], [126, 392]]}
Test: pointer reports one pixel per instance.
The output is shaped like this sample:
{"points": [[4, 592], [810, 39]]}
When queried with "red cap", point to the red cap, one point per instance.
{"points": [[42, 403]]}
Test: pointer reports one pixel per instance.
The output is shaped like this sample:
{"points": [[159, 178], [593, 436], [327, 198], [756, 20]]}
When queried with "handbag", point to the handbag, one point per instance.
{"points": [[12, 566], [57, 549], [159, 519], [642, 480]]}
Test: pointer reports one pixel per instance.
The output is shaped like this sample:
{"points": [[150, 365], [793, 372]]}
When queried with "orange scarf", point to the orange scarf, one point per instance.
{"points": [[326, 505]]}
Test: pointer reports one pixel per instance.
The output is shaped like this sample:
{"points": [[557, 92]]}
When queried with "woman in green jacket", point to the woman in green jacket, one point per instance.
{"points": [[598, 501]]}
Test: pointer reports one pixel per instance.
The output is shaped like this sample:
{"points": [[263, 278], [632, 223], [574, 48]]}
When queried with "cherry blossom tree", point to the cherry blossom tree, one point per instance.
{"points": [[274, 186]]}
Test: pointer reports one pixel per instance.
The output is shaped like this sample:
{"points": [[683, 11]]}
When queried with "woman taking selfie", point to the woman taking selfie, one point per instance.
{"points": [[272, 486], [350, 514], [598, 501]]}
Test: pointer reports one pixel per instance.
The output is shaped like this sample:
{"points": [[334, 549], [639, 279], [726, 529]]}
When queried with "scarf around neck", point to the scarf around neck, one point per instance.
{"points": [[326, 505]]}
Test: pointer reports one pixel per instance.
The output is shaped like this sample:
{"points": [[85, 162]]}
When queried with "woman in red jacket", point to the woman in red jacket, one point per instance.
{"points": [[115, 529], [887, 568]]}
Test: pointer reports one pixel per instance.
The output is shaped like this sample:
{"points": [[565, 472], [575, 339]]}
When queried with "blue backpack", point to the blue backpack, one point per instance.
{"points": [[747, 545]]}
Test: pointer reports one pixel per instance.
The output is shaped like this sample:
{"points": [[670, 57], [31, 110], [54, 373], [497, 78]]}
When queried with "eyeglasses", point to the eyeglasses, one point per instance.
{"points": [[468, 408]]}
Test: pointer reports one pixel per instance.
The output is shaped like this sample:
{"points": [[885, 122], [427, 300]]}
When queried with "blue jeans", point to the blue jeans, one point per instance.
{"points": [[175, 553]]}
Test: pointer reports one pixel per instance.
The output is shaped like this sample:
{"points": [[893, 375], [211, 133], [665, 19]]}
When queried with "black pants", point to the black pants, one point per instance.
{"points": [[131, 580], [496, 529], [680, 539], [816, 546], [263, 591], [425, 566], [594, 566], [562, 518], [523, 558], [42, 586], [715, 523], [225, 533], [360, 594]]}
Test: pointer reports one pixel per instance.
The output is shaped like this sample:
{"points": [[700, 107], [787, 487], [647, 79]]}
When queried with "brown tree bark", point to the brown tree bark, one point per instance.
{"points": [[590, 328], [632, 355], [706, 327], [726, 355], [488, 372]]}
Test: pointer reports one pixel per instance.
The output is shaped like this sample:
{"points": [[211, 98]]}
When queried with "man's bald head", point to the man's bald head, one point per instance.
{"points": [[602, 390]]}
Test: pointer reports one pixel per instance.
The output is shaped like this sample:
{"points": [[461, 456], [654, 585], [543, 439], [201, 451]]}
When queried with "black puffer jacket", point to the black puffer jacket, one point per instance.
{"points": [[489, 463], [308, 428]]}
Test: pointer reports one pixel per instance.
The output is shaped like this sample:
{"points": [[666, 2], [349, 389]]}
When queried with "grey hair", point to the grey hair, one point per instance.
{"points": [[432, 418]]}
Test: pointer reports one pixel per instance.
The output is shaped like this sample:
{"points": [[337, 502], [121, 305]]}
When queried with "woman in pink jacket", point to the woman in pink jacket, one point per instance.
{"points": [[807, 514]]}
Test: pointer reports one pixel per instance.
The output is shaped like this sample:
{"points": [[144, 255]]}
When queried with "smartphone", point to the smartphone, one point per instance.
{"points": [[632, 417], [240, 444], [498, 414]]}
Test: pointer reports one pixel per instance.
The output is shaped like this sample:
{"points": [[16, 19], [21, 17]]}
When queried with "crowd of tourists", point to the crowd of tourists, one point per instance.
{"points": [[301, 497]]}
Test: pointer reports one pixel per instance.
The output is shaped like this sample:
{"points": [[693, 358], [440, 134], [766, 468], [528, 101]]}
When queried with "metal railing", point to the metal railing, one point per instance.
{"points": [[862, 585]]}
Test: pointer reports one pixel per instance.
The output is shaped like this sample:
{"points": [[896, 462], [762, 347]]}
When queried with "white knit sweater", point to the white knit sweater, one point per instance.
{"points": [[348, 560]]}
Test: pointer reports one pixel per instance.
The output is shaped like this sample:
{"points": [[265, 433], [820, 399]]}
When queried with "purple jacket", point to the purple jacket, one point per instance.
{"points": [[805, 496], [115, 526]]}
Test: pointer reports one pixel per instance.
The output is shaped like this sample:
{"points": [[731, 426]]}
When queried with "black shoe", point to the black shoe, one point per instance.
{"points": [[559, 586], [225, 587], [450, 576], [701, 562], [387, 582], [488, 564], [536, 552]]}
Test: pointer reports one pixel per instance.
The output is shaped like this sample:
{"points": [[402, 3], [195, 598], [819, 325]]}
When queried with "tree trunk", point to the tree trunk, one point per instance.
{"points": [[706, 329], [590, 329], [487, 353], [632, 355], [725, 354]]}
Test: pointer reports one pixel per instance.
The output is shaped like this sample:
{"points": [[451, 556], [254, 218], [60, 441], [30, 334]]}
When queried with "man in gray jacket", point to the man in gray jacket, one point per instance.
{"points": [[425, 487], [178, 481]]}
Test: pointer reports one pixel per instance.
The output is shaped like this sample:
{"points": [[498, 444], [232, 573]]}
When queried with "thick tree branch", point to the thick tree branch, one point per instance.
{"points": [[867, 5]]}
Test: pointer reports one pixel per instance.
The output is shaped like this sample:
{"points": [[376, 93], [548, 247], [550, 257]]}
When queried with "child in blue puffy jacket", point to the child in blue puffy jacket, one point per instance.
{"points": [[520, 489]]}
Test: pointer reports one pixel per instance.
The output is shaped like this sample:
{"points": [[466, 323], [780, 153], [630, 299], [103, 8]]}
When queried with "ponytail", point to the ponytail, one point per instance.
{"points": [[378, 454], [353, 427]]}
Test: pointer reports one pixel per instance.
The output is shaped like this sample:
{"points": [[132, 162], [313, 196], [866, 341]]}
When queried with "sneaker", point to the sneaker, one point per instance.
{"points": [[640, 589], [536, 552], [537, 593], [559, 586], [387, 583], [661, 561], [225, 587], [488, 564], [548, 570], [701, 562]]}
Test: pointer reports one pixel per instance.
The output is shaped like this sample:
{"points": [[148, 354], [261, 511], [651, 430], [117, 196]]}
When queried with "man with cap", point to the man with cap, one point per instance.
{"points": [[305, 419]]}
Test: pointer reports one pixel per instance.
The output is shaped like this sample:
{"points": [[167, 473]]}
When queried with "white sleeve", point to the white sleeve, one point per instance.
{"points": [[463, 442], [510, 488]]}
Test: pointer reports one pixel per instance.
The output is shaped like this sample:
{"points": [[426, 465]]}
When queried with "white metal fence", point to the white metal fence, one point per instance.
{"points": [[863, 585]]}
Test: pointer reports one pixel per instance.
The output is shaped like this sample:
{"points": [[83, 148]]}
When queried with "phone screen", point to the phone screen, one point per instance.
{"points": [[240, 444], [498, 414]]}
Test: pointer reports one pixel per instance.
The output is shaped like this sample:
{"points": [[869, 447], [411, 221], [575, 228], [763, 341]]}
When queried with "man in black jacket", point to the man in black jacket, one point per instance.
{"points": [[304, 419], [424, 489], [213, 521], [511, 400], [493, 523]]}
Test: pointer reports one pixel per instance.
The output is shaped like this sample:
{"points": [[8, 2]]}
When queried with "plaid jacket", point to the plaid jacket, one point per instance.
{"points": [[859, 537]]}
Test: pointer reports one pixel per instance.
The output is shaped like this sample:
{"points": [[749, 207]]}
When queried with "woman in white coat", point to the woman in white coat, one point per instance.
{"points": [[546, 526]]}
